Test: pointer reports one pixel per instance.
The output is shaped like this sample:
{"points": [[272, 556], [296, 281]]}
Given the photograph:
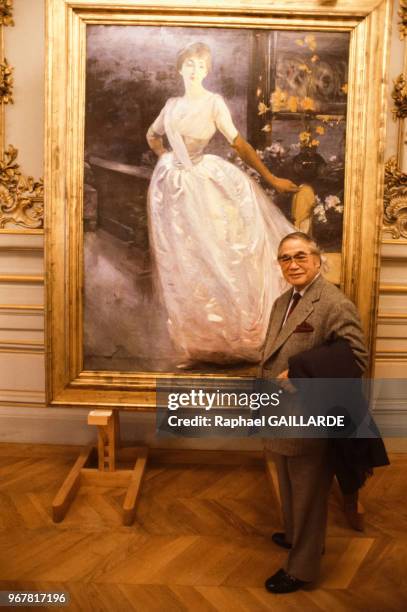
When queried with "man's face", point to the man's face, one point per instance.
{"points": [[300, 271]]}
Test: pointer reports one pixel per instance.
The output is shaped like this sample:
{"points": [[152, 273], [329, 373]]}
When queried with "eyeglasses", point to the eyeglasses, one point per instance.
{"points": [[299, 258]]}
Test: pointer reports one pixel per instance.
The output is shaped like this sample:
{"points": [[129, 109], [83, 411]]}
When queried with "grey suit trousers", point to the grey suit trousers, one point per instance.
{"points": [[304, 482]]}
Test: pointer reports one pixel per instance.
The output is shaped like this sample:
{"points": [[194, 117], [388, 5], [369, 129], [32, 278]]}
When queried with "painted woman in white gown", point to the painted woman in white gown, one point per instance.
{"points": [[214, 232]]}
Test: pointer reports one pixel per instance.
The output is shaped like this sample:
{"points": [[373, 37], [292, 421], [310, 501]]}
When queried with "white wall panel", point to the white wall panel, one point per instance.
{"points": [[22, 293], [23, 336], [394, 272], [21, 320], [22, 376], [392, 344], [21, 262], [393, 303], [392, 330], [391, 369], [394, 249]]}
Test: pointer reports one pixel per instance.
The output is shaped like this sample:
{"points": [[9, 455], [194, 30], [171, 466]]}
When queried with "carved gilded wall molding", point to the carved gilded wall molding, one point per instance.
{"points": [[6, 82], [395, 200], [21, 197], [399, 95], [403, 19], [6, 12]]}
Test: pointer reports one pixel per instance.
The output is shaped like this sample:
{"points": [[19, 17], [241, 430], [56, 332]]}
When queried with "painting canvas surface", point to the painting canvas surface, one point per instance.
{"points": [[286, 92]]}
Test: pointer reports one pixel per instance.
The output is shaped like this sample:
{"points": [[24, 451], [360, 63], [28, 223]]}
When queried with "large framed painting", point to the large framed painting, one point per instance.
{"points": [[182, 144]]}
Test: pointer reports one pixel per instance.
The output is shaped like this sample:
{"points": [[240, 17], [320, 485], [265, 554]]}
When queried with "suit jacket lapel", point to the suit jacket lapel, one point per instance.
{"points": [[302, 310], [277, 321]]}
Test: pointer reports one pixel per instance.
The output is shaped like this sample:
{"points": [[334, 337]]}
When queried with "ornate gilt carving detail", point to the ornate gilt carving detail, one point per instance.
{"points": [[395, 200], [21, 197], [6, 83], [6, 13], [403, 18], [399, 95]]}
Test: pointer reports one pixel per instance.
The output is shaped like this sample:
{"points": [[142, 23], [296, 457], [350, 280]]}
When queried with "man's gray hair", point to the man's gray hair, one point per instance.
{"points": [[302, 236]]}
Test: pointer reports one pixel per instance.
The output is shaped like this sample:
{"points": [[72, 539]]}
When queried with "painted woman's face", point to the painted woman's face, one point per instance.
{"points": [[194, 70]]}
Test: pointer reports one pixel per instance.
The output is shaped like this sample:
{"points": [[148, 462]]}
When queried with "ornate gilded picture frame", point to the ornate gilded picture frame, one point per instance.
{"points": [[305, 84]]}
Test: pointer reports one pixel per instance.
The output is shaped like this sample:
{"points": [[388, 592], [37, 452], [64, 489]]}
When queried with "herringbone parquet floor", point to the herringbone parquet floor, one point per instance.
{"points": [[201, 540]]}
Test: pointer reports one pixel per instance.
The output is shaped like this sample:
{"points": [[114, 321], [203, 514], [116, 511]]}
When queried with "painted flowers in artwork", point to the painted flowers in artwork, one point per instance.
{"points": [[331, 203], [329, 207]]}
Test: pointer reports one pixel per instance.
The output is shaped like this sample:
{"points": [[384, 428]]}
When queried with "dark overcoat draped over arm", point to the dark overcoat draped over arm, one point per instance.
{"points": [[353, 458]]}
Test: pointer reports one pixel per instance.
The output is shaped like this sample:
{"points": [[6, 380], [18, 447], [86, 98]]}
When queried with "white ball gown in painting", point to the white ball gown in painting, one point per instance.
{"points": [[214, 236]]}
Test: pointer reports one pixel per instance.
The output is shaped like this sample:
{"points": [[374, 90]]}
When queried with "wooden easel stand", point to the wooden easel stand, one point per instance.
{"points": [[109, 453]]}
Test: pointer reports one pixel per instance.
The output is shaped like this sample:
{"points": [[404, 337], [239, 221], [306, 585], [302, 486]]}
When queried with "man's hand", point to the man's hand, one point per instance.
{"points": [[285, 382]]}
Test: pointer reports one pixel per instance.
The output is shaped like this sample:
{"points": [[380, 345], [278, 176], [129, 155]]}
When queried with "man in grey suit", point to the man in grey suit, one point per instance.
{"points": [[304, 317]]}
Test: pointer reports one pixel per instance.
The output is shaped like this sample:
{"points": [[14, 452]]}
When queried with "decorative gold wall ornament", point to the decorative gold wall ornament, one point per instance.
{"points": [[399, 95], [395, 200], [6, 13], [403, 19], [21, 197], [6, 82]]}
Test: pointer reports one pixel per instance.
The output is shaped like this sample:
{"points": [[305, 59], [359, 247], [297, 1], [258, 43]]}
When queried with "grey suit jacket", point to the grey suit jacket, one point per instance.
{"points": [[330, 314]]}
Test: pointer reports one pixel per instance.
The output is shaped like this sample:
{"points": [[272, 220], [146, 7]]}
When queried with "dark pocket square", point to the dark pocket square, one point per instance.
{"points": [[304, 327]]}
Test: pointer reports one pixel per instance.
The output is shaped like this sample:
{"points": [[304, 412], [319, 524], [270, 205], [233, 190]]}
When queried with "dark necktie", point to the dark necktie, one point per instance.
{"points": [[295, 299]]}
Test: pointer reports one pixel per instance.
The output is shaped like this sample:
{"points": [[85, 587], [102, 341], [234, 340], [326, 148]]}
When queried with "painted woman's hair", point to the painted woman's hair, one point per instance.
{"points": [[198, 49]]}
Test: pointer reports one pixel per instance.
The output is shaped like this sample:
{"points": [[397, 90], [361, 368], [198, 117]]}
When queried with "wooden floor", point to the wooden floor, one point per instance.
{"points": [[201, 541]]}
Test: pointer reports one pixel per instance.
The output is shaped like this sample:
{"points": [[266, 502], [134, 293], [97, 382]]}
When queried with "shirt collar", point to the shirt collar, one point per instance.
{"points": [[304, 289]]}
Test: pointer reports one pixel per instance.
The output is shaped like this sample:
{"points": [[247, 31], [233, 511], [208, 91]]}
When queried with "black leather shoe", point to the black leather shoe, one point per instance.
{"points": [[281, 582], [279, 539]]}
